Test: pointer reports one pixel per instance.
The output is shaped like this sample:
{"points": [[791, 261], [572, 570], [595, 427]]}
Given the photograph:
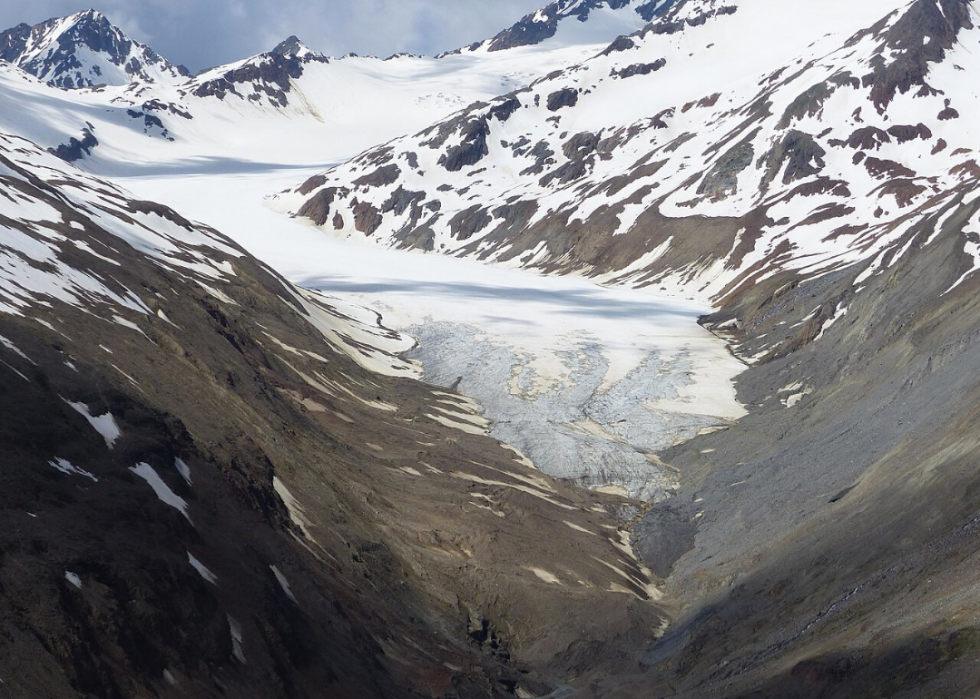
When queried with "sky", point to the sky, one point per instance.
{"points": [[204, 33]]}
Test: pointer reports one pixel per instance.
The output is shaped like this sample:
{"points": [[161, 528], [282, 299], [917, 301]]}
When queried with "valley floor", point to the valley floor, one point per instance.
{"points": [[587, 381]]}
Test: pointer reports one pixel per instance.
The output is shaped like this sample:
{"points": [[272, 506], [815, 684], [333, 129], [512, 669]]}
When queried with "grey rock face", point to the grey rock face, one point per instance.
{"points": [[291, 46]]}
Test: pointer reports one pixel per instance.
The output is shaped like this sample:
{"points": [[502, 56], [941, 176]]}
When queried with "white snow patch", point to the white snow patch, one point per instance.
{"points": [[202, 569], [283, 583], [544, 575], [521, 456], [162, 490], [183, 469], [220, 295], [69, 469], [13, 348], [73, 579], [103, 424], [119, 320], [461, 426], [578, 528], [236, 640], [794, 400], [296, 512]]}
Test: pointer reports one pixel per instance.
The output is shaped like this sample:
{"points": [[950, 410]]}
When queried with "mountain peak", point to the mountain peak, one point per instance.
{"points": [[90, 14], [543, 24], [84, 50], [291, 46]]}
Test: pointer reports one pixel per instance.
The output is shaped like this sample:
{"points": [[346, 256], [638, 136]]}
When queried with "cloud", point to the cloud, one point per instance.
{"points": [[204, 33]]}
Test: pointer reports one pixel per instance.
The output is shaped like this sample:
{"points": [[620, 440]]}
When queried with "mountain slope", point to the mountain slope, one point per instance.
{"points": [[217, 484], [84, 50], [858, 130], [820, 189]]}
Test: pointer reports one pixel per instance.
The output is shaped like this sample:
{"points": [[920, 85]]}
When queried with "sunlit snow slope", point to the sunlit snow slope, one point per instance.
{"points": [[680, 159], [290, 105], [804, 171]]}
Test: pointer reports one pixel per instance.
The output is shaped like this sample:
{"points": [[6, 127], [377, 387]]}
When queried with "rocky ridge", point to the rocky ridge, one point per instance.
{"points": [[148, 96], [84, 50], [548, 178]]}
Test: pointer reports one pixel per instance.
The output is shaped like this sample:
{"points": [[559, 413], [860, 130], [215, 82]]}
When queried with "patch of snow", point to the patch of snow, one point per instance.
{"points": [[183, 469], [105, 425], [457, 425], [13, 348], [544, 575], [283, 583], [296, 512], [69, 469], [202, 569], [794, 399], [162, 490], [572, 525], [236, 640], [119, 320]]}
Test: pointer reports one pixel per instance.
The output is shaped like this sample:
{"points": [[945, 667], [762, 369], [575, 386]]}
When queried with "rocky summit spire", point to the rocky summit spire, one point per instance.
{"points": [[291, 47]]}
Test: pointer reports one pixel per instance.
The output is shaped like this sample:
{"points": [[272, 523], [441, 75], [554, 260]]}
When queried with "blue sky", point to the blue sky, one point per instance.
{"points": [[204, 33]]}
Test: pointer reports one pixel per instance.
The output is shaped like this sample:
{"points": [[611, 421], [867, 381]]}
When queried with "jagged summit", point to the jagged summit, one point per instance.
{"points": [[84, 50], [291, 46], [267, 77], [544, 24]]}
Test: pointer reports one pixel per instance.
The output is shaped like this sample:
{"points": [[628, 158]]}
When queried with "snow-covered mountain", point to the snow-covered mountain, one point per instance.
{"points": [[857, 120], [566, 20], [335, 103], [810, 169], [217, 482], [84, 50], [188, 434]]}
